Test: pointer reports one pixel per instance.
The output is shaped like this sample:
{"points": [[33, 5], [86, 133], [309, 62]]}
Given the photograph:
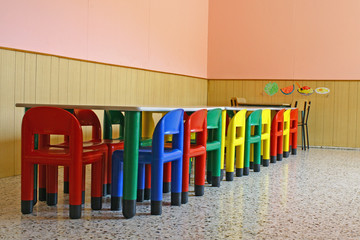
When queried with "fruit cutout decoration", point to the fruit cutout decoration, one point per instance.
{"points": [[322, 90], [305, 90], [271, 88], [288, 90]]}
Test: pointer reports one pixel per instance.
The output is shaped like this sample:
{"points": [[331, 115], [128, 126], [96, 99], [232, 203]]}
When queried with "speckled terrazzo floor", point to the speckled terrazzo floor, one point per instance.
{"points": [[314, 195]]}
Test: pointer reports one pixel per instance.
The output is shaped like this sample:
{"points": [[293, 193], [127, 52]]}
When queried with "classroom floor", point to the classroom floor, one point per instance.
{"points": [[313, 195]]}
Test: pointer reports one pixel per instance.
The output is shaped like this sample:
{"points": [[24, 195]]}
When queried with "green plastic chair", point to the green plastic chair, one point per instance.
{"points": [[213, 146], [253, 120], [111, 118]]}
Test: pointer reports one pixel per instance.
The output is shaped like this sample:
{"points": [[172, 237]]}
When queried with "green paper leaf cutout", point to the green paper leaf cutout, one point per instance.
{"points": [[271, 88]]}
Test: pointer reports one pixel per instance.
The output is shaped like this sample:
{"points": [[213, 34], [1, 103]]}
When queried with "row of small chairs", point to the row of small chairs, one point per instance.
{"points": [[106, 156]]}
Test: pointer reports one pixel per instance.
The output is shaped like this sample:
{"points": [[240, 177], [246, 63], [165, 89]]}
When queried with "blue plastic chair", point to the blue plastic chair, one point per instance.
{"points": [[157, 155]]}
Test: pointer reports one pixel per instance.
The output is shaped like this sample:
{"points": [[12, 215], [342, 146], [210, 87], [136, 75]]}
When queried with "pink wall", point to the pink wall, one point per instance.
{"points": [[162, 35], [284, 39]]}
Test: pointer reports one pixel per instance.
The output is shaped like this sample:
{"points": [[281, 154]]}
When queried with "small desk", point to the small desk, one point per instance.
{"points": [[264, 105], [131, 142]]}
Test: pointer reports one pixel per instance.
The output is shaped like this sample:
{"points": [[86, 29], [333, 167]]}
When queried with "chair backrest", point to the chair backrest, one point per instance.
{"points": [[113, 117], [287, 121], [277, 123], [196, 123], [294, 119], [87, 117], [266, 121], [214, 126], [47, 121], [170, 123], [236, 128], [254, 119], [235, 101]]}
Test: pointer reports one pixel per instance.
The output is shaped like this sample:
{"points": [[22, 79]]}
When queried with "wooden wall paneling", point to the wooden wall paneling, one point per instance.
{"points": [[147, 84], [357, 127], [353, 108], [99, 84], [211, 95], [249, 91], [7, 116], [30, 77], [317, 112], [114, 94], [258, 91], [122, 85], [83, 82], [107, 84], [43, 73], [329, 117], [238, 88], [90, 83], [172, 92], [340, 114], [54, 79], [19, 112], [266, 97], [180, 92], [63, 80], [140, 88], [74, 82]]}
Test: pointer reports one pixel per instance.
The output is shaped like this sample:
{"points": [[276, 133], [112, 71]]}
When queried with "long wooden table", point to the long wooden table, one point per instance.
{"points": [[131, 143]]}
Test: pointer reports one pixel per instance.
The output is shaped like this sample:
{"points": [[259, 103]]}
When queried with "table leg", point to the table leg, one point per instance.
{"points": [[131, 156]]}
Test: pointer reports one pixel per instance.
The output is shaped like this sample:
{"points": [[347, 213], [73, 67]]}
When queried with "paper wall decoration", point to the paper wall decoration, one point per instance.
{"points": [[322, 90], [287, 90], [271, 88], [305, 90]]}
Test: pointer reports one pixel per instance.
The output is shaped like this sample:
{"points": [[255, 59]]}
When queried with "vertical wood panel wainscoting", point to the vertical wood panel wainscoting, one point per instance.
{"points": [[37, 78], [334, 118]]}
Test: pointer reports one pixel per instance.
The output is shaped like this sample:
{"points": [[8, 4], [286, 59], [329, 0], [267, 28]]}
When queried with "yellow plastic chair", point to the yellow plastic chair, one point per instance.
{"points": [[265, 137], [235, 139], [286, 133]]}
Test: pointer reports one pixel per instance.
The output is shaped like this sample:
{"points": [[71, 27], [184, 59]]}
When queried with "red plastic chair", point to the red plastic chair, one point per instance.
{"points": [[276, 137], [293, 130], [195, 123], [87, 117], [46, 121]]}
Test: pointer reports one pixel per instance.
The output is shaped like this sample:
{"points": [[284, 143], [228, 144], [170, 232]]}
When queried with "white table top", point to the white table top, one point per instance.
{"points": [[115, 107], [252, 108]]}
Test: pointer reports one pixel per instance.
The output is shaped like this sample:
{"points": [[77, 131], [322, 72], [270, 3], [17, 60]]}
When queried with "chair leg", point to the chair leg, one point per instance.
{"points": [[147, 192], [215, 167], [167, 178], [97, 185], [116, 183], [51, 185], [307, 136], [200, 162], [27, 186], [176, 180], [141, 183], [185, 179], [42, 182], [75, 179], [157, 172]]}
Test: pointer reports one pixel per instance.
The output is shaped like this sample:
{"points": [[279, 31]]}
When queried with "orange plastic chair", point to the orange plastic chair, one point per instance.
{"points": [[195, 123], [276, 137], [265, 136], [293, 131], [286, 134], [46, 121]]}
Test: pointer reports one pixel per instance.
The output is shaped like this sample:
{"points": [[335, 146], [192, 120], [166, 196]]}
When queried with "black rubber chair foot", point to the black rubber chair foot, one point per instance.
{"points": [[140, 195], [176, 199], [199, 190], [129, 208], [42, 194], [51, 199], [147, 194], [75, 211], [184, 197], [104, 190], [239, 172], [108, 188], [215, 181], [66, 187], [96, 203], [35, 197], [166, 187], [273, 159], [256, 167], [266, 162], [294, 151], [251, 165], [222, 174], [246, 171], [156, 207], [280, 157], [116, 203], [26, 206], [286, 154], [209, 177], [229, 176]]}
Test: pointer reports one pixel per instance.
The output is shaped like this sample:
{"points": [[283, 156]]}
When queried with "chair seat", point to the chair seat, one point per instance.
{"points": [[196, 150], [46, 156], [145, 155], [213, 145]]}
